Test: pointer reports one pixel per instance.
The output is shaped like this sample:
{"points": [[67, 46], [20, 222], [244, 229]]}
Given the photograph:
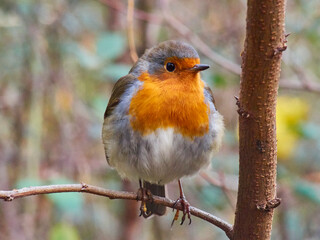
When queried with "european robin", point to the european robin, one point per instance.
{"points": [[161, 122]]}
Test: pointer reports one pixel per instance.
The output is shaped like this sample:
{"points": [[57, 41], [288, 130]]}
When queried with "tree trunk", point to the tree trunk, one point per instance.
{"points": [[261, 58]]}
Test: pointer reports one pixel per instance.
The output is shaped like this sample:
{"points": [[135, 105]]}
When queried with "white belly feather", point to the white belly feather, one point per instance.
{"points": [[161, 156]]}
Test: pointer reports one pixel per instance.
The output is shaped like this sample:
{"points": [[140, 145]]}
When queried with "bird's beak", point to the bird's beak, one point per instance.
{"points": [[199, 67]]}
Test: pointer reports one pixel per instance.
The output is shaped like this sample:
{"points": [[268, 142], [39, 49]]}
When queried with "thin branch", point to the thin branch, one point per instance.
{"points": [[306, 80], [300, 73], [230, 181], [132, 46], [182, 30], [112, 194], [198, 43], [299, 86], [226, 191], [221, 183]]}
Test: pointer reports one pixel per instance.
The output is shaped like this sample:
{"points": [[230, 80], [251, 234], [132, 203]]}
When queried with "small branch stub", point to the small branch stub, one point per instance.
{"points": [[282, 48], [269, 205], [9, 198], [84, 186], [243, 113]]}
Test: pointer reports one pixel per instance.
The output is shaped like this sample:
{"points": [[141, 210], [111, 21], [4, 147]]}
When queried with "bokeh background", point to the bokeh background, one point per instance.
{"points": [[59, 61]]}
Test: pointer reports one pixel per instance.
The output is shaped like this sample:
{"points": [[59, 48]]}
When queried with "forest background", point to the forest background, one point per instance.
{"points": [[58, 63]]}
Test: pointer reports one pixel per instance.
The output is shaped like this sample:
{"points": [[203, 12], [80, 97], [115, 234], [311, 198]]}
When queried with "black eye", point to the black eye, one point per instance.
{"points": [[170, 67]]}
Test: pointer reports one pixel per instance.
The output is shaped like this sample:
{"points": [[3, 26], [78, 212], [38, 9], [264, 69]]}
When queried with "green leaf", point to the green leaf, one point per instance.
{"points": [[63, 232], [219, 80], [110, 45], [115, 71]]}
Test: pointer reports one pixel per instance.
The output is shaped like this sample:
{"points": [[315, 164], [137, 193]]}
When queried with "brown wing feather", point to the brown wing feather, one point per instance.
{"points": [[119, 88], [211, 94]]}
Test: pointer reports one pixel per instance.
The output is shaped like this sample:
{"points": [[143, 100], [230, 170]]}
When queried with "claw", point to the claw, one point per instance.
{"points": [[185, 207], [142, 192], [176, 216], [143, 209], [185, 210]]}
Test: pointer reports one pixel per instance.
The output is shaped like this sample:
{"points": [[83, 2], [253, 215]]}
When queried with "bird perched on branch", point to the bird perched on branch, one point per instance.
{"points": [[161, 122]]}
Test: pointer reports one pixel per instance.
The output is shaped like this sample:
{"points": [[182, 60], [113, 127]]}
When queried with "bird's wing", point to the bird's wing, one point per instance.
{"points": [[209, 91], [119, 88]]}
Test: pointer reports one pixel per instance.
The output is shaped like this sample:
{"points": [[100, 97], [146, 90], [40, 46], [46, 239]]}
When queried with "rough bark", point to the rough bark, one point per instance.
{"points": [[261, 58]]}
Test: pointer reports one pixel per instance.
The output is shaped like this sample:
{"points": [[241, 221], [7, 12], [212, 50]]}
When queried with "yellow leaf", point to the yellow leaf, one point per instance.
{"points": [[291, 111]]}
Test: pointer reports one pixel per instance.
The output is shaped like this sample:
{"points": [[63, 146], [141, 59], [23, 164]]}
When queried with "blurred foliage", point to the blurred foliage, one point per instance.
{"points": [[63, 231], [292, 113], [58, 63]]}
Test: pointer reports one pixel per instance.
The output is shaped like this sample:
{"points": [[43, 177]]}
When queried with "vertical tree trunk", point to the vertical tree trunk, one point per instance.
{"points": [[261, 59]]}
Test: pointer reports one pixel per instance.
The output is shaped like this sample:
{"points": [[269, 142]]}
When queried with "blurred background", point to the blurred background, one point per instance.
{"points": [[59, 61]]}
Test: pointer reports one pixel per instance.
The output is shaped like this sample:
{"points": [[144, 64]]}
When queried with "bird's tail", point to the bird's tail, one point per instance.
{"points": [[157, 190]]}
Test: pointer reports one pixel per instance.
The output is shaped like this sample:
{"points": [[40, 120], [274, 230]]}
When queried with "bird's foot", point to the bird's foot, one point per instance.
{"points": [[141, 195], [185, 210]]}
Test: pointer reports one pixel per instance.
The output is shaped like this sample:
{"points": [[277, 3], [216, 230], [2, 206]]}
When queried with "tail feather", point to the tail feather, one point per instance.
{"points": [[157, 190]]}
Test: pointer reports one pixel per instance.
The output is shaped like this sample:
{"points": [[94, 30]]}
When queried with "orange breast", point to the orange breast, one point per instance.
{"points": [[173, 102]]}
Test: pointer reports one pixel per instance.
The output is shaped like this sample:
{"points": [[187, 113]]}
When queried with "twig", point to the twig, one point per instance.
{"points": [[197, 41], [182, 30], [112, 194], [201, 46], [221, 184], [226, 191], [132, 46], [300, 86], [230, 181]]}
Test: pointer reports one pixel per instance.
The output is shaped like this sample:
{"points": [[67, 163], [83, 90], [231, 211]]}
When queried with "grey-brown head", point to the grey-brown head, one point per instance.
{"points": [[161, 58]]}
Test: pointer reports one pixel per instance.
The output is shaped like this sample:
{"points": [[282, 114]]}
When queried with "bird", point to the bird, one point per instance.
{"points": [[161, 123]]}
